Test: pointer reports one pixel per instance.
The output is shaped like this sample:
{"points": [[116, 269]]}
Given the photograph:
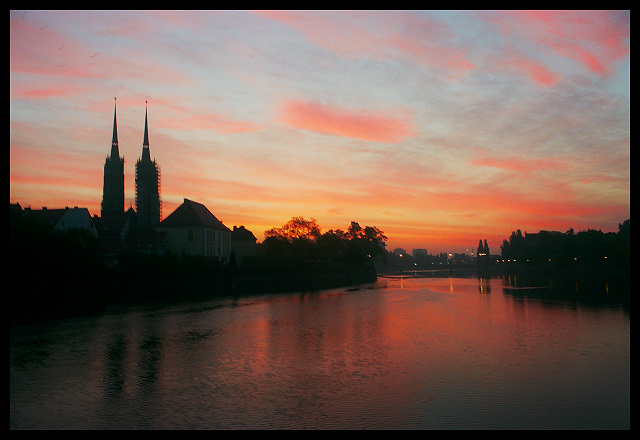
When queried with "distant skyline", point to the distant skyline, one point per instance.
{"points": [[438, 127]]}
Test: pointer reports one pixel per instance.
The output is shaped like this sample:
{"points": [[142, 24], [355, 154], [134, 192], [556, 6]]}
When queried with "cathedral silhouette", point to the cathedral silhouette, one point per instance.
{"points": [[148, 202], [190, 230], [113, 188]]}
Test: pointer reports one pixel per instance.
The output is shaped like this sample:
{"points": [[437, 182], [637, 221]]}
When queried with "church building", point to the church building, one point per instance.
{"points": [[148, 204], [190, 230], [114, 221], [113, 187]]}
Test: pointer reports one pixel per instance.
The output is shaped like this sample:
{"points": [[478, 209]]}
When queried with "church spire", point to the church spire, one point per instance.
{"points": [[146, 130], [115, 153], [113, 187], [148, 203], [146, 154]]}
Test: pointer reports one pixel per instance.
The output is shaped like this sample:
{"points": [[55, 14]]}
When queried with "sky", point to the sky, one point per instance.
{"points": [[440, 128]]}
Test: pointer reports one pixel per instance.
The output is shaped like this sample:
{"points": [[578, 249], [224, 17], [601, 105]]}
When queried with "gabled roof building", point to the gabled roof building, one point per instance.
{"points": [[65, 219], [193, 230]]}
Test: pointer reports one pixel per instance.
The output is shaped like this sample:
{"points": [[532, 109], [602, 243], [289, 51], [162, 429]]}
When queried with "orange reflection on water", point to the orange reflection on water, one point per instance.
{"points": [[404, 352]]}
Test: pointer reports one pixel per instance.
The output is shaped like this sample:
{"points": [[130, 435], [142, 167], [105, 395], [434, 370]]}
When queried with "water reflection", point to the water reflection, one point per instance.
{"points": [[115, 366], [484, 285], [408, 352], [587, 290]]}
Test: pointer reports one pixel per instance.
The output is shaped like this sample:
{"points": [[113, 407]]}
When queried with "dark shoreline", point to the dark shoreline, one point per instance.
{"points": [[72, 296], [34, 303]]}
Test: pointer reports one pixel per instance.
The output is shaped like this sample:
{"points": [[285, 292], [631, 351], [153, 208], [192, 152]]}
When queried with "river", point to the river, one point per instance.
{"points": [[406, 352]]}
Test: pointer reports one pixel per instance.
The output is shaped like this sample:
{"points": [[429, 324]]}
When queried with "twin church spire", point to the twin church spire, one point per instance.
{"points": [[148, 205]]}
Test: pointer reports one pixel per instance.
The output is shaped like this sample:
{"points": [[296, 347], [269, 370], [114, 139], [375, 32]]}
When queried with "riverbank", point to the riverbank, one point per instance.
{"points": [[506, 269], [61, 295]]}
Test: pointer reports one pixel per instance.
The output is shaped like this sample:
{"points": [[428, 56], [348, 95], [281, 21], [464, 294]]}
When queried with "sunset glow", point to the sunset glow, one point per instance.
{"points": [[440, 128]]}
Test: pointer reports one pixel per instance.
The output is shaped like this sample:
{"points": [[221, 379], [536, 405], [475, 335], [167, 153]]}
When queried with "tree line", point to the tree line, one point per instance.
{"points": [[301, 240], [585, 247]]}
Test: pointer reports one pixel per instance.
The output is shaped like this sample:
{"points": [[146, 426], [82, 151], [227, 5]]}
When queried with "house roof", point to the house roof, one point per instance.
{"points": [[191, 213], [49, 216], [241, 233]]}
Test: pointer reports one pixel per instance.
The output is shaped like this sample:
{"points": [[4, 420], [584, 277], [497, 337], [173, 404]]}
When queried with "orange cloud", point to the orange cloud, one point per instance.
{"points": [[361, 124]]}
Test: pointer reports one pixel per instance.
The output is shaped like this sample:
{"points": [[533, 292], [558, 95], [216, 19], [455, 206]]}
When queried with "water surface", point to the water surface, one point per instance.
{"points": [[403, 353]]}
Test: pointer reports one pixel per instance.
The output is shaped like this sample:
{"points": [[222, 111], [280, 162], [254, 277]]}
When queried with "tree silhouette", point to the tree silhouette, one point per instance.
{"points": [[302, 239], [295, 229], [586, 247], [483, 254]]}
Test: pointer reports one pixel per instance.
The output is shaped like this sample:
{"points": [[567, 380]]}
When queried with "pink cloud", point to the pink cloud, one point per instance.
{"points": [[42, 51], [451, 60], [328, 30], [357, 124], [26, 92], [536, 71], [520, 165], [596, 39], [211, 121], [427, 42], [421, 40]]}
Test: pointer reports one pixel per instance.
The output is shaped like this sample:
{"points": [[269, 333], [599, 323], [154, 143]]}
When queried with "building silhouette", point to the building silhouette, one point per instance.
{"points": [[190, 230], [148, 203], [61, 219], [243, 243], [193, 230], [113, 187]]}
